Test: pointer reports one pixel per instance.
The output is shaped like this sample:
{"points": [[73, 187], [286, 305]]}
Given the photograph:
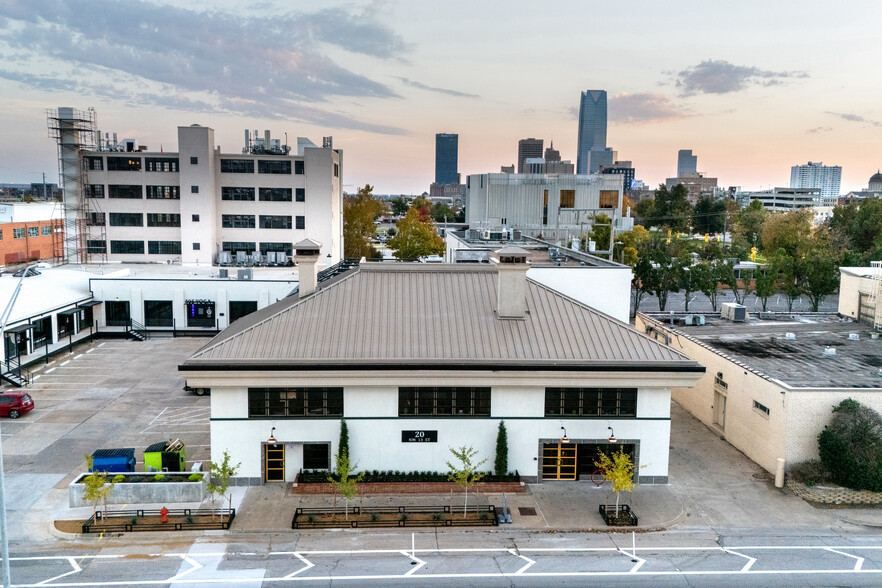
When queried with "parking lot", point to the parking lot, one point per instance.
{"points": [[107, 393]]}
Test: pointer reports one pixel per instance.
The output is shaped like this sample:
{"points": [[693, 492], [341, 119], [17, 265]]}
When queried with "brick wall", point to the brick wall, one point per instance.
{"points": [[26, 248]]}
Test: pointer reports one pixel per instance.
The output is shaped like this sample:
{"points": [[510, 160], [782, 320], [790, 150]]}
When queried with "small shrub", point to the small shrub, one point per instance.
{"points": [[189, 518], [195, 477], [159, 478], [310, 519], [119, 478], [438, 516], [133, 521], [809, 473], [374, 517], [483, 516], [850, 447], [403, 517]]}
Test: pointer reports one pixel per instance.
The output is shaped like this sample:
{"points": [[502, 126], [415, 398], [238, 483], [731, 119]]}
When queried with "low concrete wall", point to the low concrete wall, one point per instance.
{"points": [[835, 495], [143, 492]]}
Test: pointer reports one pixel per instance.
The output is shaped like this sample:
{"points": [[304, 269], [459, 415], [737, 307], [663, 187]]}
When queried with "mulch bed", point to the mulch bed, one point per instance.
{"points": [[113, 523], [454, 518]]}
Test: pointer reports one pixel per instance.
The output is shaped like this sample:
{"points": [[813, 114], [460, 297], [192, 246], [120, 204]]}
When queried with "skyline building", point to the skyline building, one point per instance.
{"points": [[552, 154], [817, 175], [446, 158], [528, 148], [591, 151], [686, 162]]}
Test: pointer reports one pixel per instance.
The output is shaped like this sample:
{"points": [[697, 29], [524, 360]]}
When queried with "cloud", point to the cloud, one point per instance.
{"points": [[421, 86], [820, 130], [855, 118], [266, 66], [643, 108], [721, 77]]}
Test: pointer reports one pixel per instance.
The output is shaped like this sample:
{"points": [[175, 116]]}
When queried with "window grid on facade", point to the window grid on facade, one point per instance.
{"points": [[300, 222], [194, 161], [127, 247], [93, 163], [591, 402], [300, 194], [295, 402], [95, 191], [609, 198], [270, 221], [237, 166], [123, 163], [237, 221], [164, 247], [197, 246], [96, 246], [234, 246], [161, 164], [286, 247], [236, 193], [274, 167], [275, 194], [33, 231], [163, 192], [18, 233], [460, 401], [124, 191], [298, 168], [194, 189], [195, 218], [45, 230], [126, 219], [96, 219], [567, 198], [761, 408], [161, 219]]}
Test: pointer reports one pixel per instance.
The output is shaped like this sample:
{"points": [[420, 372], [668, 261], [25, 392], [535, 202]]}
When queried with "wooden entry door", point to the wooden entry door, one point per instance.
{"points": [[274, 461], [559, 461]]}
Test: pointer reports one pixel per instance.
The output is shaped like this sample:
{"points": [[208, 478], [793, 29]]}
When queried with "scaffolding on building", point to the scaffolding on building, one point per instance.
{"points": [[75, 132], [876, 292]]}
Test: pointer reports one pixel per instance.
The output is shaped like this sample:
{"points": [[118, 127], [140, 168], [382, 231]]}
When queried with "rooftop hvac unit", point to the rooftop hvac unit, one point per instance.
{"points": [[225, 258], [223, 273], [734, 312], [245, 274], [765, 315]]}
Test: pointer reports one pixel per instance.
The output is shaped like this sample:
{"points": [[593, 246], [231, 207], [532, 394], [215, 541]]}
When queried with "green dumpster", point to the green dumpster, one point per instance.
{"points": [[165, 456]]}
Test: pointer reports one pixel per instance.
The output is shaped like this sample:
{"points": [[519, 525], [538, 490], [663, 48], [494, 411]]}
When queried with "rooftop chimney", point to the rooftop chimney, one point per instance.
{"points": [[511, 288], [306, 254]]}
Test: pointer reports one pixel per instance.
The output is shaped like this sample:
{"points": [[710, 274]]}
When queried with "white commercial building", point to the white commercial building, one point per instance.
{"points": [[817, 175], [554, 206], [419, 358], [786, 199], [25, 212], [197, 205]]}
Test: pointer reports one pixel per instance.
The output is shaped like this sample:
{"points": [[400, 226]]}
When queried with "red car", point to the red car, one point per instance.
{"points": [[15, 404]]}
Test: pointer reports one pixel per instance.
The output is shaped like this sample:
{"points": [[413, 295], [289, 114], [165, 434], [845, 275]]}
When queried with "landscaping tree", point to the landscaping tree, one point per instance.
{"points": [[599, 232], [749, 224], [500, 465], [416, 236], [442, 213], [343, 445], [465, 472], [399, 205], [787, 277], [727, 277], [344, 482], [790, 231], [96, 488], [689, 280], [709, 216], [672, 208], [642, 280], [359, 213], [644, 212], [851, 446], [820, 275], [618, 470], [219, 478], [708, 280], [666, 270], [632, 241], [765, 283]]}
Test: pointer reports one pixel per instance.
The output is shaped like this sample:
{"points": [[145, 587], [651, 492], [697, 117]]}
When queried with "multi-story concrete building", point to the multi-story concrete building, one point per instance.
{"points": [[446, 158], [817, 175], [528, 149], [193, 205], [786, 199], [686, 162], [621, 168], [695, 183]]}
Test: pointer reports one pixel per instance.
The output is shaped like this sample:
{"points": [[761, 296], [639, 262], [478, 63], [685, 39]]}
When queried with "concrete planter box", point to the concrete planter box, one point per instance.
{"points": [[144, 492]]}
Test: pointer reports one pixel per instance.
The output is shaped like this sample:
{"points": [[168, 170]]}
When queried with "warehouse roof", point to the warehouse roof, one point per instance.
{"points": [[432, 316]]}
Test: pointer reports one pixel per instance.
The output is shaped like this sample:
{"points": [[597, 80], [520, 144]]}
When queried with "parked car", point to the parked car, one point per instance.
{"points": [[15, 404]]}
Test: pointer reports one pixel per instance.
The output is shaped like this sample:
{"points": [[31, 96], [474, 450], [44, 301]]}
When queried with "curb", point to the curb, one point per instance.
{"points": [[62, 534]]}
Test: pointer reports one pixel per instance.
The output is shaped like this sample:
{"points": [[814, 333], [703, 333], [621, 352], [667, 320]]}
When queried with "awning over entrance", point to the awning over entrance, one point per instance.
{"points": [[89, 304], [20, 328], [68, 312]]}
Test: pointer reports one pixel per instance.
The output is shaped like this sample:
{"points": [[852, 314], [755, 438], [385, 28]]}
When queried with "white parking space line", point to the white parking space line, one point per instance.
{"points": [[857, 565], [66, 362], [91, 350], [102, 344], [73, 563], [50, 370]]}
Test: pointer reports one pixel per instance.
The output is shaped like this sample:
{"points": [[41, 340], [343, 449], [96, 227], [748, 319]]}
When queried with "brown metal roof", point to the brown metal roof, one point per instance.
{"points": [[432, 315]]}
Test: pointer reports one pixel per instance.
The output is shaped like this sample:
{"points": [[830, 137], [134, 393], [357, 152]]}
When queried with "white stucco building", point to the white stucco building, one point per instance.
{"points": [[815, 174], [422, 357]]}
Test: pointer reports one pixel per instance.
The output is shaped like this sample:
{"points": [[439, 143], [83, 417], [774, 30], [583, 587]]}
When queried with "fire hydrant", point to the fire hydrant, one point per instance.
{"points": [[163, 514]]}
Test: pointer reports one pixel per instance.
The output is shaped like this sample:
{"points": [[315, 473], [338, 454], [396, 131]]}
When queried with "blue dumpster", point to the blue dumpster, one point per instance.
{"points": [[113, 460]]}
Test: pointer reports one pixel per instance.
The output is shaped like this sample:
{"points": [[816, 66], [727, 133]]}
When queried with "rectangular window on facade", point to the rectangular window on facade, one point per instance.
{"points": [[447, 401], [123, 163], [45, 230], [96, 219], [116, 313], [286, 247], [234, 246], [295, 402], [124, 191], [195, 218], [163, 192], [762, 408], [300, 222], [240, 308], [18, 233], [567, 198], [301, 195], [268, 221], [126, 219], [33, 231], [194, 161], [93, 163], [96, 246], [127, 247], [237, 166], [194, 189], [237, 221], [233, 193], [164, 247], [336, 170], [1, 234], [609, 199], [275, 194], [298, 168], [274, 166], [163, 219], [591, 402], [196, 246], [158, 313], [161, 164], [95, 191], [316, 456]]}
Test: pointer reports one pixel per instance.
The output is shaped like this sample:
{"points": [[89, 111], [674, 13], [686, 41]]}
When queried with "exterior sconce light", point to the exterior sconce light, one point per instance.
{"points": [[612, 436], [272, 438], [564, 439]]}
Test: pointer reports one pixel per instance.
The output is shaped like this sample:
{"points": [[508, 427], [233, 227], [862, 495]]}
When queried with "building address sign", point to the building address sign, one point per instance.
{"points": [[419, 436]]}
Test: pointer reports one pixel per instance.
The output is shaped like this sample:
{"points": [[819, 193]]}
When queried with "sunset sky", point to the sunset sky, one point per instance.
{"points": [[752, 88]]}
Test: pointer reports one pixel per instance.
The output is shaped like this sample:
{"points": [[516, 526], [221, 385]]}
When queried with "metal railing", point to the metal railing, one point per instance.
{"points": [[442, 516]]}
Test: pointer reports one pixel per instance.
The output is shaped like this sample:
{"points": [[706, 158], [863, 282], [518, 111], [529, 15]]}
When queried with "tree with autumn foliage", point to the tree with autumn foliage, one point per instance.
{"points": [[416, 235], [359, 213]]}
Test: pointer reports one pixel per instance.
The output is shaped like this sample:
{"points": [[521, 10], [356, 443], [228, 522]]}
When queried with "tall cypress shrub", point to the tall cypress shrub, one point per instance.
{"points": [[343, 445], [500, 465]]}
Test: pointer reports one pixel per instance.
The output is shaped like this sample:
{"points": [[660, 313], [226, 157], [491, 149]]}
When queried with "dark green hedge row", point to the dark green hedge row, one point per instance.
{"points": [[320, 476]]}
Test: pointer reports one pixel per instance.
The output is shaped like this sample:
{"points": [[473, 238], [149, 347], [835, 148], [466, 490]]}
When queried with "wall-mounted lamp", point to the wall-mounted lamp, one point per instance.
{"points": [[272, 438], [612, 436], [564, 439]]}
